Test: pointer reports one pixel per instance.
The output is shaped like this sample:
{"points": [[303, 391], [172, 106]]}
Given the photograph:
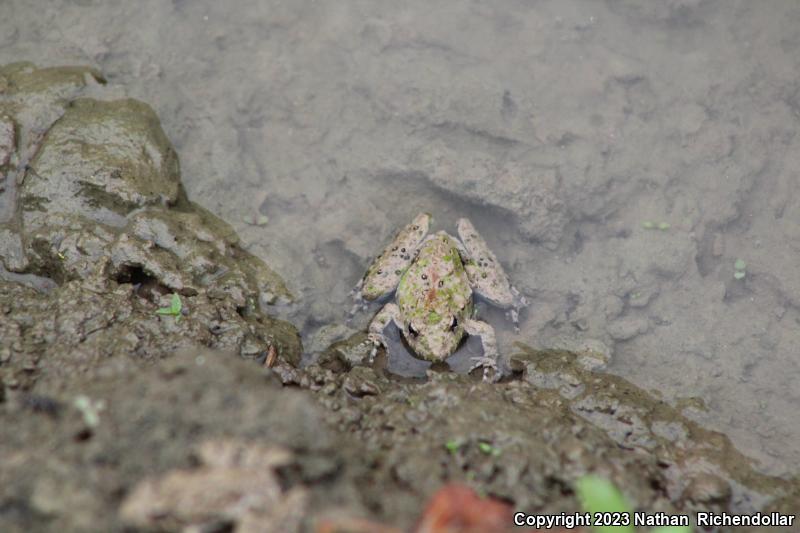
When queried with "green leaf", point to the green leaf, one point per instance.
{"points": [[174, 309], [452, 446], [488, 449], [176, 304], [598, 495], [739, 274], [663, 226], [672, 529], [648, 224], [740, 264]]}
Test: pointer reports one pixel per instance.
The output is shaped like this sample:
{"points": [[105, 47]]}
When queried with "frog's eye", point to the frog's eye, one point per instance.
{"points": [[412, 331], [453, 324]]}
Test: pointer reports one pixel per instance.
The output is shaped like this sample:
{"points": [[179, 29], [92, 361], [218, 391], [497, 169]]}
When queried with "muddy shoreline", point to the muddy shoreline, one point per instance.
{"points": [[112, 413]]}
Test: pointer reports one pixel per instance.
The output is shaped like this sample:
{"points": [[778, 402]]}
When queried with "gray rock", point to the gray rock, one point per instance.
{"points": [[531, 194], [627, 328], [105, 236]]}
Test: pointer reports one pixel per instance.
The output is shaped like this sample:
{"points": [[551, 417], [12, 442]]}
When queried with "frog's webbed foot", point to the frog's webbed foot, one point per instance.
{"points": [[488, 364], [389, 313], [359, 303], [519, 302], [377, 341], [488, 361]]}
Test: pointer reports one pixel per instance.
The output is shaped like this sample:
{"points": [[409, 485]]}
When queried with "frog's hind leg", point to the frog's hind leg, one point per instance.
{"points": [[486, 275], [359, 302], [385, 272], [490, 355], [513, 312], [389, 313]]}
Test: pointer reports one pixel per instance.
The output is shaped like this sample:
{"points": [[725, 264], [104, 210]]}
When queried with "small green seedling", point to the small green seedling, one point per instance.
{"points": [[599, 495], [90, 410], [256, 220], [174, 309], [488, 449], [453, 446], [649, 224], [739, 269]]}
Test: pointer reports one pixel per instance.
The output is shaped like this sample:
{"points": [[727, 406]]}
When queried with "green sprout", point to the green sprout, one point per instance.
{"points": [[453, 446], [488, 449], [256, 220], [599, 495], [649, 224], [739, 269], [90, 410], [174, 309]]}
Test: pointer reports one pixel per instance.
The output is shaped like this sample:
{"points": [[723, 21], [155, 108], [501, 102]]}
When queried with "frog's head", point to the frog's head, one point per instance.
{"points": [[434, 337]]}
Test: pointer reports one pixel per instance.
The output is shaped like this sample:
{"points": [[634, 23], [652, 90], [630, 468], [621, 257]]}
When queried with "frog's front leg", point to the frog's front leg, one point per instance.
{"points": [[489, 342], [389, 313]]}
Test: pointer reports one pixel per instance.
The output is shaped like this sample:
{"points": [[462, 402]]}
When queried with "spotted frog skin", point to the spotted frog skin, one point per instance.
{"points": [[434, 278]]}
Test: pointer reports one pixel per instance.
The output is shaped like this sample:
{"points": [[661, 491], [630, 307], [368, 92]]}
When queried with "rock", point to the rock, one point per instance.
{"points": [[627, 328], [100, 160], [215, 429], [325, 336], [8, 144], [106, 229], [530, 193], [11, 252], [708, 489], [237, 482], [346, 354]]}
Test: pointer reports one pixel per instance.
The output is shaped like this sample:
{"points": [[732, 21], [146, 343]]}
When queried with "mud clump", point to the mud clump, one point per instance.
{"points": [[97, 234], [527, 440], [169, 448]]}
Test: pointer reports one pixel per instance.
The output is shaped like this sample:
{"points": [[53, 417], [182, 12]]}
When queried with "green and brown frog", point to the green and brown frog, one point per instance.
{"points": [[434, 278]]}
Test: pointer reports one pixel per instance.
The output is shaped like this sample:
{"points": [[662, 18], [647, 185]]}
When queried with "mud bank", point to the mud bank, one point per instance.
{"points": [[115, 416]]}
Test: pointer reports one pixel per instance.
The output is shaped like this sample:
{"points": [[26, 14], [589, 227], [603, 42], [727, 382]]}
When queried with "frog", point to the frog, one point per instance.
{"points": [[434, 279]]}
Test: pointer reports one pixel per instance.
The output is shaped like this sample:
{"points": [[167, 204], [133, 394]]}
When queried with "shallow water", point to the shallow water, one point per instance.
{"points": [[563, 129]]}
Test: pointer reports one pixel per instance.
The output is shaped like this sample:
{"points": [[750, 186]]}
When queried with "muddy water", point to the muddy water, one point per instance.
{"points": [[619, 159]]}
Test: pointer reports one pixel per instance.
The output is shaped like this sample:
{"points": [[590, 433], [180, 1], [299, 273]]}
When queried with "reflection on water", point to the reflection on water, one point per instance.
{"points": [[568, 131]]}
